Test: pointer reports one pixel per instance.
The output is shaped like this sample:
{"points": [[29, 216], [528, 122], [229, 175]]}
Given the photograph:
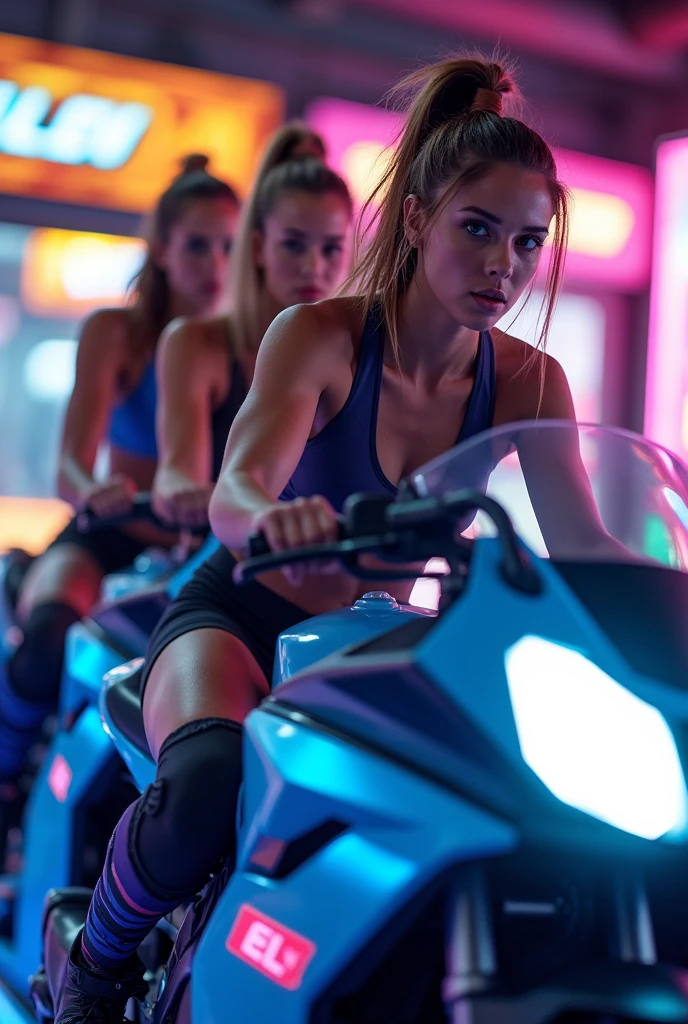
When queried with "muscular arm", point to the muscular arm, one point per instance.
{"points": [[297, 359], [101, 356], [558, 484], [187, 372]]}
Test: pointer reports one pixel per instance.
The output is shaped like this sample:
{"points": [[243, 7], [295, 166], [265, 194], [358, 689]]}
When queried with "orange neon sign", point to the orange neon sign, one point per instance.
{"points": [[96, 129], [69, 273]]}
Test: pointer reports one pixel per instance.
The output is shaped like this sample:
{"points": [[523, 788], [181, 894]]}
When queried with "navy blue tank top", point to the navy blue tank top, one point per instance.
{"points": [[132, 423], [223, 416], [342, 459]]}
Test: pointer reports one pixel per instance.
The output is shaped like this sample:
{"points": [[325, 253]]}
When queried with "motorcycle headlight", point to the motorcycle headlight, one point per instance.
{"points": [[593, 743]]}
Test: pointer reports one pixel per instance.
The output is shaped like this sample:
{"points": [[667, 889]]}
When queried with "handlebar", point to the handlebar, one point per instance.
{"points": [[403, 532], [141, 512]]}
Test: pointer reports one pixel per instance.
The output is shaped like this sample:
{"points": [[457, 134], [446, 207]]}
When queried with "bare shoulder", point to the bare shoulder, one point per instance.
{"points": [[530, 383], [329, 327], [196, 336], [112, 325], [107, 335]]}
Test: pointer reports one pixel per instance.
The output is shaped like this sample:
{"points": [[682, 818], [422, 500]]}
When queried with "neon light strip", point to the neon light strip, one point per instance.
{"points": [[612, 202], [667, 355]]}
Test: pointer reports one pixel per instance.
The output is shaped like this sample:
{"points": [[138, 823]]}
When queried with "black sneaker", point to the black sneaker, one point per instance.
{"points": [[90, 997]]}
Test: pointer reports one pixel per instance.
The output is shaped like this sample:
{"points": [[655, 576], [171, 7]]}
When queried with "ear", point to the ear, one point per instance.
{"points": [[414, 220], [257, 248]]}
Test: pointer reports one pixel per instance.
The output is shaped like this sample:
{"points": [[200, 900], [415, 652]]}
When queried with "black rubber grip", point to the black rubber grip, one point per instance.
{"points": [[257, 545]]}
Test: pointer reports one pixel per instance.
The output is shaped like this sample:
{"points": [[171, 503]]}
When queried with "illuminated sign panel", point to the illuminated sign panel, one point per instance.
{"points": [[96, 129], [611, 223], [666, 394], [69, 273]]}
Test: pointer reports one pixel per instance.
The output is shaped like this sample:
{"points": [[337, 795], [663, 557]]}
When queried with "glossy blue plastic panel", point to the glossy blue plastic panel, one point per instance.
{"points": [[72, 765], [402, 831], [374, 614], [87, 659]]}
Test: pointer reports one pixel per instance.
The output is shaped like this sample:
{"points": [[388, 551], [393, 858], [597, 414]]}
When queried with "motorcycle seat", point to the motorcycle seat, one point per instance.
{"points": [[123, 705]]}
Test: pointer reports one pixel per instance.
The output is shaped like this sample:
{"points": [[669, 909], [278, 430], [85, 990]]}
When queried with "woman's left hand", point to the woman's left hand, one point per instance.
{"points": [[180, 501]]}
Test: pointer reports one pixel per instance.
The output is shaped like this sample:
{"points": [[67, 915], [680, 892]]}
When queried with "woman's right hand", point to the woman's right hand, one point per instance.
{"points": [[112, 497], [297, 524], [180, 501]]}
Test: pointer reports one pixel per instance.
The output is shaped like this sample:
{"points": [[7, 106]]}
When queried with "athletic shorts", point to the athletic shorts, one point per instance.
{"points": [[111, 547], [212, 600]]}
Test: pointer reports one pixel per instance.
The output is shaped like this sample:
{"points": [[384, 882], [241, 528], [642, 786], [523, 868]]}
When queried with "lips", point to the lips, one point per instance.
{"points": [[490, 300]]}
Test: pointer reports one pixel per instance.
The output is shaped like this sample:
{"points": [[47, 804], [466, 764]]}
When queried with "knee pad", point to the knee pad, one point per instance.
{"points": [[185, 822], [35, 668]]}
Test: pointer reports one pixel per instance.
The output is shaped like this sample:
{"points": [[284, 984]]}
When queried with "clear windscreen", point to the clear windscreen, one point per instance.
{"points": [[574, 492]]}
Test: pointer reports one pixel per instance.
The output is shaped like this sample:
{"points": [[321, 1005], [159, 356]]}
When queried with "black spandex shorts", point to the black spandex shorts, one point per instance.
{"points": [[212, 600], [111, 547]]}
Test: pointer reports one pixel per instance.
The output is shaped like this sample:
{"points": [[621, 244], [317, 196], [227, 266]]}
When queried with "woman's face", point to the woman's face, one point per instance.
{"points": [[196, 257], [303, 248], [483, 250]]}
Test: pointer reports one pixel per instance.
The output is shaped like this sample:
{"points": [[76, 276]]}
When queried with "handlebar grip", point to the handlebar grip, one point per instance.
{"points": [[87, 520], [141, 511], [257, 545]]}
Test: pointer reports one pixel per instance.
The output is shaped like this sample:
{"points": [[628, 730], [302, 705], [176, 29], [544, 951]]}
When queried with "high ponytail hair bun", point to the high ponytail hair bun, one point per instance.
{"points": [[194, 163], [454, 132], [193, 183], [294, 161], [294, 141], [451, 90]]}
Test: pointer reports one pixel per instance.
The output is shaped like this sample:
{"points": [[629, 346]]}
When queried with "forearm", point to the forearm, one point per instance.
{"points": [[169, 478], [236, 500], [189, 460], [74, 481]]}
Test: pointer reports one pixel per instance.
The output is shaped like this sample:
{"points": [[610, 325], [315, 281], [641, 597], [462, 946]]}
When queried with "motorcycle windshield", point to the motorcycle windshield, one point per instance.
{"points": [[574, 492]]}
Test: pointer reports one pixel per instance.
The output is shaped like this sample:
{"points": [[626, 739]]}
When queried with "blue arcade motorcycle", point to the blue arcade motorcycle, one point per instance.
{"points": [[479, 816], [81, 786]]}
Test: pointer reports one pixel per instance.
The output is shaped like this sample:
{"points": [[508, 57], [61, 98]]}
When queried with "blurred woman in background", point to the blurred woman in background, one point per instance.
{"points": [[114, 400], [291, 247]]}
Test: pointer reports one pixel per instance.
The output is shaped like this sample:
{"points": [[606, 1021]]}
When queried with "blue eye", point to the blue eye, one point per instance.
{"points": [[531, 243], [332, 250], [476, 228], [227, 246]]}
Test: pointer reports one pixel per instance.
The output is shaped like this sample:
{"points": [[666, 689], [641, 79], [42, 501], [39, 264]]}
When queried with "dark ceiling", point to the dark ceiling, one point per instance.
{"points": [[601, 76]]}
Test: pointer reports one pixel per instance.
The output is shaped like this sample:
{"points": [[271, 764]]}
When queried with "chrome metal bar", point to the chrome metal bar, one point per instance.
{"points": [[634, 937], [470, 955]]}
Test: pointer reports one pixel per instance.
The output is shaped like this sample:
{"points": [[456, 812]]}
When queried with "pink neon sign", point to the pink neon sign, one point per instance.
{"points": [[611, 225], [666, 393]]}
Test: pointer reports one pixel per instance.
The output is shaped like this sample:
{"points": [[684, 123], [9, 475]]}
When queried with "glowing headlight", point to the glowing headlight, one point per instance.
{"points": [[593, 743]]}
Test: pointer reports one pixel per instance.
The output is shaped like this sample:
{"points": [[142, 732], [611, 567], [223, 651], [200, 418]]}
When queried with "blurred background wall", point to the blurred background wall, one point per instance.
{"points": [[88, 138]]}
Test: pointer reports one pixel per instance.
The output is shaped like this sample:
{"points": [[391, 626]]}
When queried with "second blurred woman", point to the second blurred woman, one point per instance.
{"points": [[292, 247], [185, 272]]}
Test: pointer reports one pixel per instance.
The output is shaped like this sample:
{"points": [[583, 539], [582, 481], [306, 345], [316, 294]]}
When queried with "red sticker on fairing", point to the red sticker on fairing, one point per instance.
{"points": [[277, 952]]}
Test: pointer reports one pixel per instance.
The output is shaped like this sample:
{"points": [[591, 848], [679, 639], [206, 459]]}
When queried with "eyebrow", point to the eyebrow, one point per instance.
{"points": [[498, 220], [299, 233]]}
